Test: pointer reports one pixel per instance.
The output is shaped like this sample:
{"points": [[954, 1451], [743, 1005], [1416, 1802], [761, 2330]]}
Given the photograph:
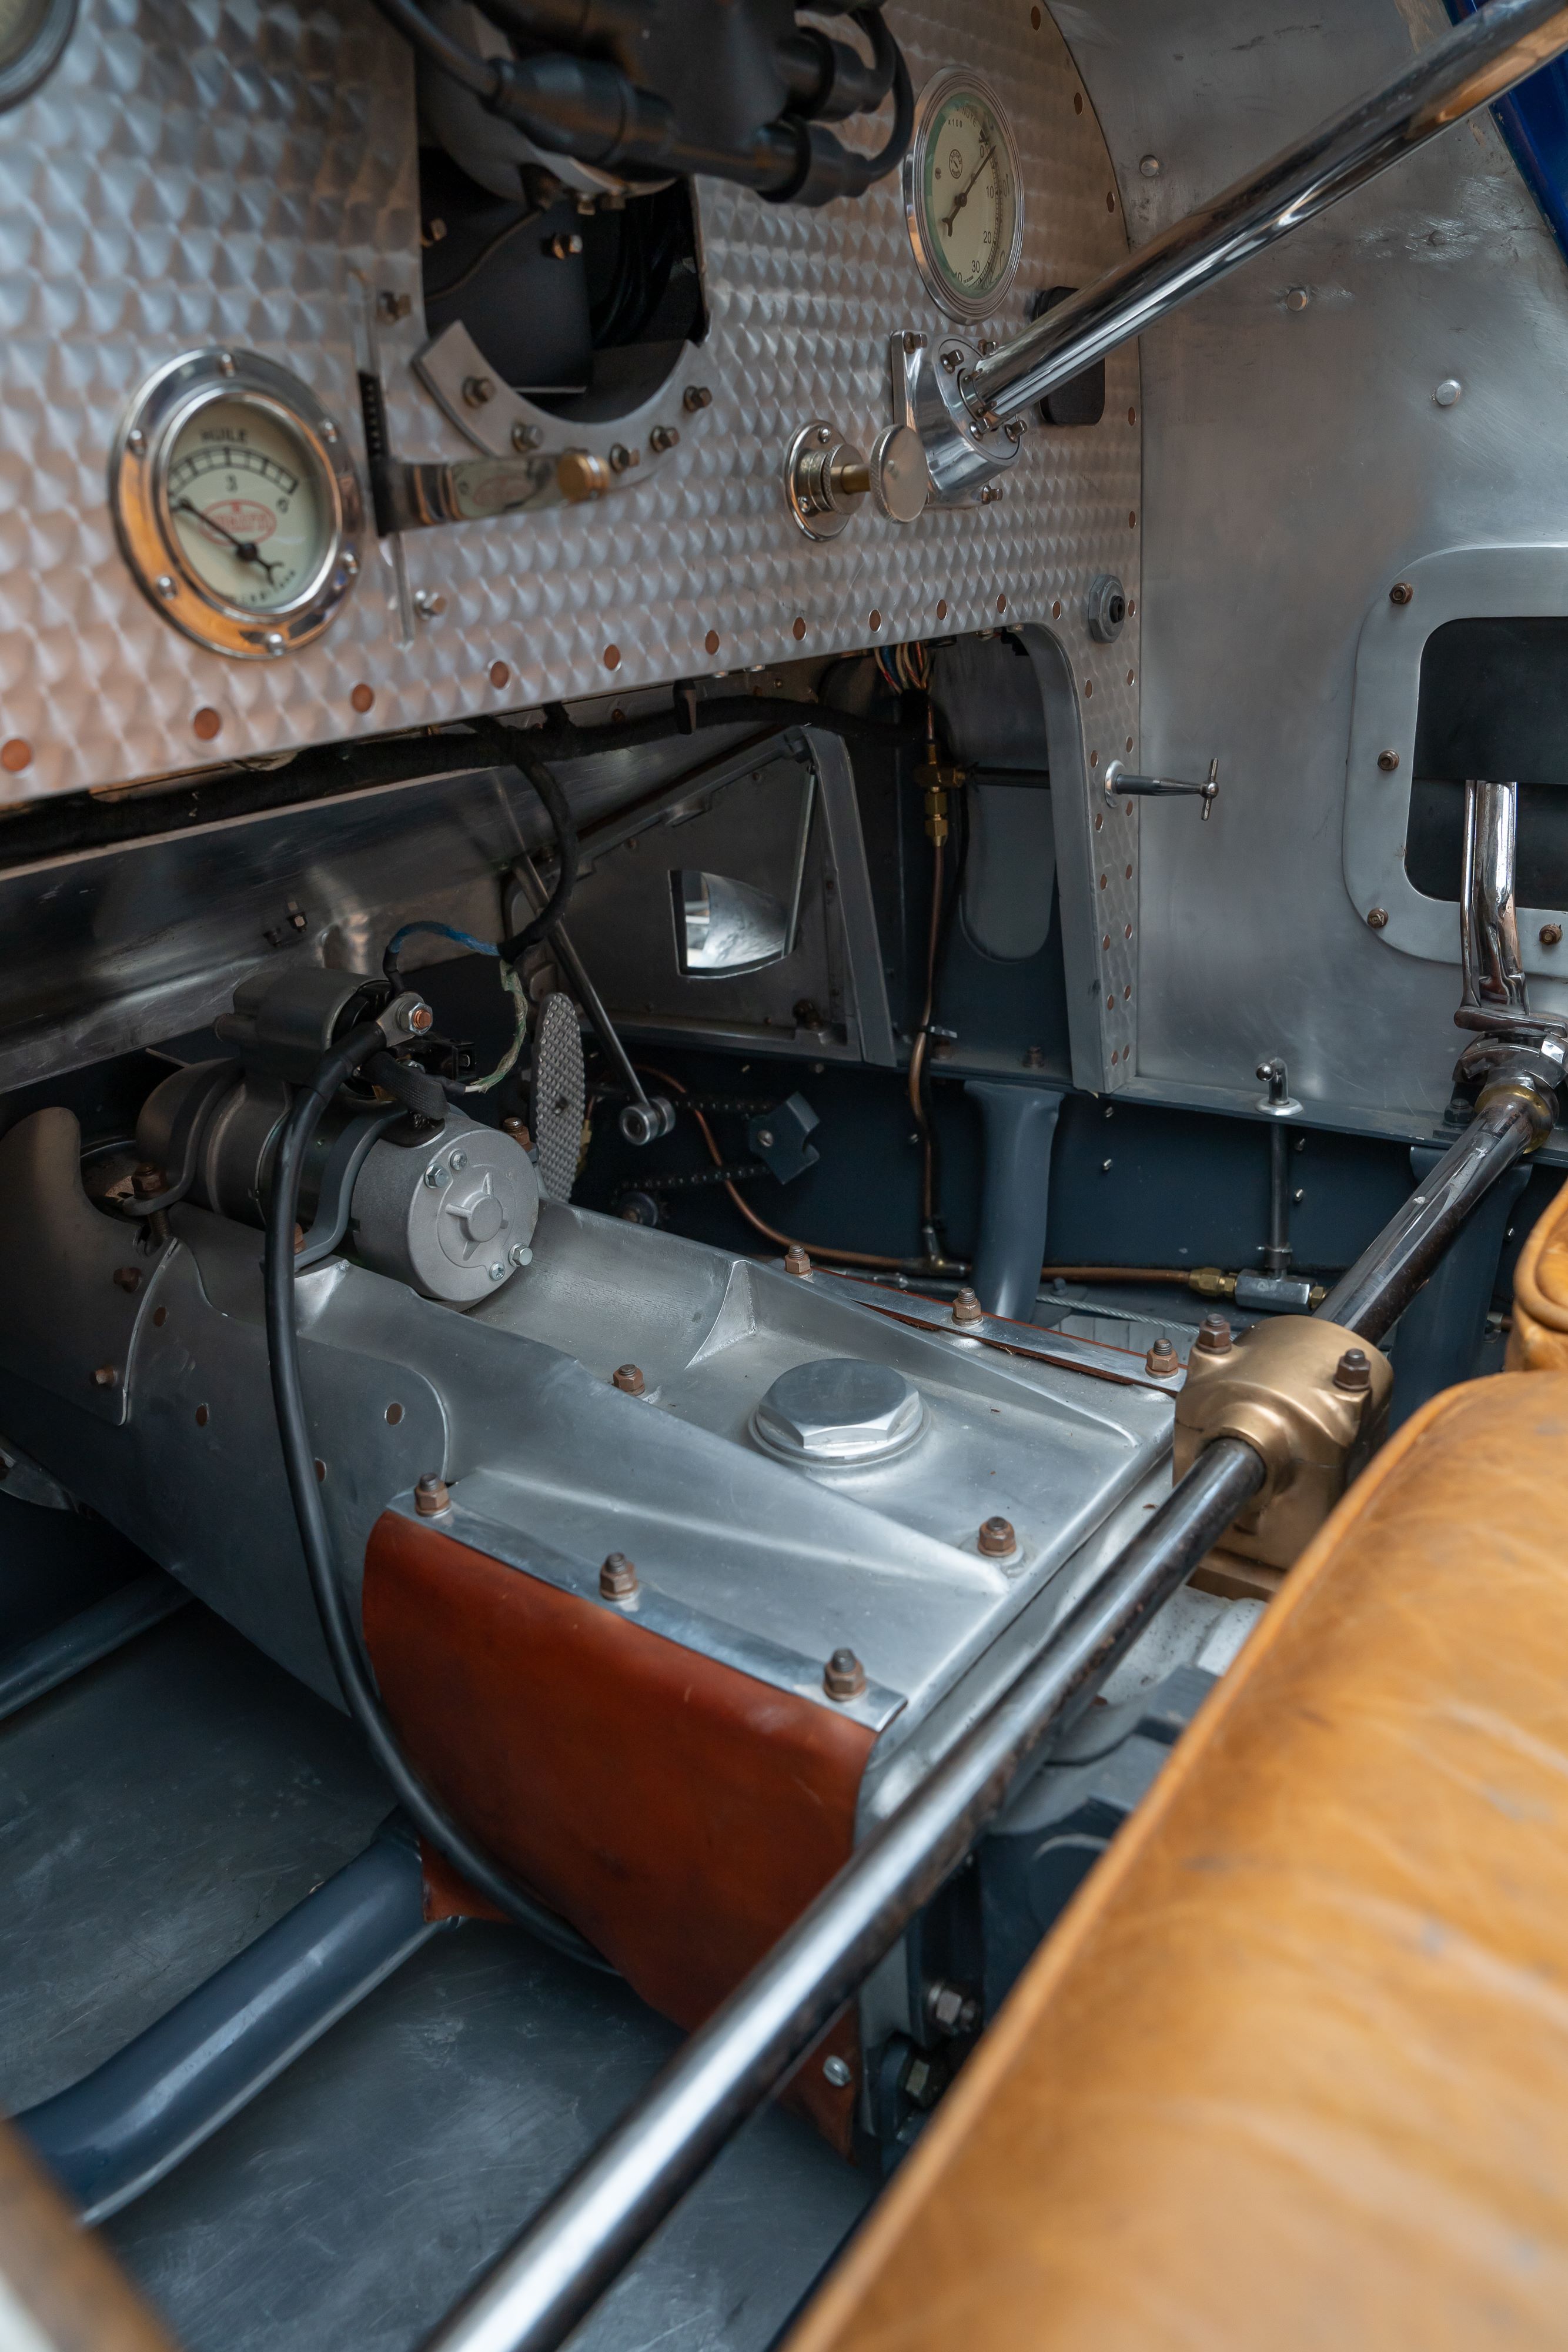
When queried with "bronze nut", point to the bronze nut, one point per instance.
{"points": [[797, 1260], [1551, 935], [843, 1677], [617, 1578], [1353, 1372], [128, 1277], [1162, 1360], [106, 1377], [1214, 1336], [1401, 593], [967, 1309], [1388, 761], [518, 1129], [997, 1538], [628, 1378], [432, 1497], [1377, 919], [146, 1181]]}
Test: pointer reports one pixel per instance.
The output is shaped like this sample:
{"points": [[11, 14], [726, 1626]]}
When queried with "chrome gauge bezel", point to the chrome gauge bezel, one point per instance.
{"points": [[39, 53], [937, 90], [139, 496]]}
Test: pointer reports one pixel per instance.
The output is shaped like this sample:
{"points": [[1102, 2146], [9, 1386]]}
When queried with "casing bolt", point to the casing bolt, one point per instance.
{"points": [[949, 2009], [628, 1378], [1353, 1372], [797, 1260], [1388, 761], [146, 1181], [695, 396], [967, 1309], [1162, 1359], [432, 1497], [843, 1677], [617, 1578], [518, 1129], [520, 1255], [997, 1538], [1214, 1336], [106, 1377]]}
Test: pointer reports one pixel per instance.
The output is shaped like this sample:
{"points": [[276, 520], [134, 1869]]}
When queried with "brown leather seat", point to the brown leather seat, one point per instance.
{"points": [[1293, 2070]]}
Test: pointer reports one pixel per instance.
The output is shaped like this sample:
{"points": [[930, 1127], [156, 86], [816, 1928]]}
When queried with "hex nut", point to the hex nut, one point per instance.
{"points": [[1354, 1370], [797, 1260], [1162, 1359], [147, 1179], [843, 1677], [1401, 593], [617, 1578], [431, 1495], [695, 396], [951, 2009], [967, 1309], [1214, 1336], [628, 1378], [997, 1538], [1388, 761]]}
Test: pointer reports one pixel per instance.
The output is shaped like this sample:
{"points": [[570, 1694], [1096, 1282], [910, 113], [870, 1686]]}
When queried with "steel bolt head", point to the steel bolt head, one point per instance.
{"points": [[1162, 1359], [838, 2072], [432, 1497], [628, 1378], [617, 1578], [1214, 1336], [1353, 1372], [997, 1538], [967, 1309], [843, 1677], [797, 1260]]}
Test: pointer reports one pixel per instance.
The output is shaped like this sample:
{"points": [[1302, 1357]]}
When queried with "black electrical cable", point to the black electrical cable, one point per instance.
{"points": [[429, 1817], [475, 72]]}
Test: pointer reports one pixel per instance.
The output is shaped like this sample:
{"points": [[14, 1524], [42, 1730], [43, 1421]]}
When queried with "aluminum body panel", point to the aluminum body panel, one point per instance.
{"points": [[1298, 465], [201, 174], [882, 1558]]}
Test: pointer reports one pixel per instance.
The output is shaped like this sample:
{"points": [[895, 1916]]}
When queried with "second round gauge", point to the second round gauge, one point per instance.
{"points": [[963, 196]]}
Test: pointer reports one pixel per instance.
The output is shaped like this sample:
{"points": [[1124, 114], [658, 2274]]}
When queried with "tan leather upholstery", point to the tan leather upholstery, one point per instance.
{"points": [[1538, 1342], [1293, 2072]]}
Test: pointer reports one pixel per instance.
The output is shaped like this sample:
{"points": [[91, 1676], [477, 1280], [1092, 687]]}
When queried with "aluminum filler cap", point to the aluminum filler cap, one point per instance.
{"points": [[838, 1412]]}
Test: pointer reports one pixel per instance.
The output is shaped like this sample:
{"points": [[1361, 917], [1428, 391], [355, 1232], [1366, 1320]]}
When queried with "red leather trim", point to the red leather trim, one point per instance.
{"points": [[679, 1813]]}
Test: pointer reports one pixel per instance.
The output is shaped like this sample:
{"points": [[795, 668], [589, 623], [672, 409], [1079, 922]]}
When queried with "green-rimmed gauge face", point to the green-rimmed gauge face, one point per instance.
{"points": [[962, 196]]}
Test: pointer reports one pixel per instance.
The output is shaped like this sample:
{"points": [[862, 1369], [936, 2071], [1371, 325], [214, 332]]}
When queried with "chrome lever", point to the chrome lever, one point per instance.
{"points": [[1120, 780]]}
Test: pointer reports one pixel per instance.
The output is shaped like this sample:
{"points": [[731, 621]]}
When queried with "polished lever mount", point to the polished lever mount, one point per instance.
{"points": [[1120, 780]]}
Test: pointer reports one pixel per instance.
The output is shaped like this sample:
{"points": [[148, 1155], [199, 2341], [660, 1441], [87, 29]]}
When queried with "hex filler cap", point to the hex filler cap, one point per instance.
{"points": [[838, 1413]]}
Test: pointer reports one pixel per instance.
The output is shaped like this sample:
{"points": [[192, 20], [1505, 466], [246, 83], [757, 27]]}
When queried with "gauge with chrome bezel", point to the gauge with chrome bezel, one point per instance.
{"points": [[237, 503], [963, 194]]}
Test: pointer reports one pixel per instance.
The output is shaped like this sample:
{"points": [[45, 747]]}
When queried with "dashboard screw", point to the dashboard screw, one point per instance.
{"points": [[838, 2072]]}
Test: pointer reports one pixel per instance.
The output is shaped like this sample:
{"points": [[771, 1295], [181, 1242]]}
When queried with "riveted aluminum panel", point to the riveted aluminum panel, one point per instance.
{"points": [[197, 172]]}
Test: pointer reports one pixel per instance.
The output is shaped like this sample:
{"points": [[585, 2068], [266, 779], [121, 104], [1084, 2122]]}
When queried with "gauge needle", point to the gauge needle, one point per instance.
{"points": [[962, 198], [246, 549]]}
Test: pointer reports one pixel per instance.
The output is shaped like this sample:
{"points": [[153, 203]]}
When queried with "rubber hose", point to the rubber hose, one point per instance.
{"points": [[429, 1817]]}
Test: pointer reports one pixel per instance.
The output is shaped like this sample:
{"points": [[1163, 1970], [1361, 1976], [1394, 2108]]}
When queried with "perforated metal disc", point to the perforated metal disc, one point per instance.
{"points": [[558, 1096]]}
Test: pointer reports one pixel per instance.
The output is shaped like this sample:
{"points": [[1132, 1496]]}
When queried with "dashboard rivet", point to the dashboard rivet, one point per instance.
{"points": [[362, 697], [15, 755], [206, 724], [499, 674], [167, 584], [136, 441], [351, 565], [273, 641], [226, 363]]}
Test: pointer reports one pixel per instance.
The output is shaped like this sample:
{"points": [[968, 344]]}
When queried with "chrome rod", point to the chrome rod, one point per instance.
{"points": [[563, 2263], [1370, 1298], [1478, 61]]}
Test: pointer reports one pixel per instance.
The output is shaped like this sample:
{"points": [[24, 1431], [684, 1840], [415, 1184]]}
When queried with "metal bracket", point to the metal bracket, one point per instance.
{"points": [[963, 456]]}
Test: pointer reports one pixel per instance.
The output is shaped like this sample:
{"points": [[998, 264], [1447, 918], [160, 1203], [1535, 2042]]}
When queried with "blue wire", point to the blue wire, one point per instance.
{"points": [[442, 931]]}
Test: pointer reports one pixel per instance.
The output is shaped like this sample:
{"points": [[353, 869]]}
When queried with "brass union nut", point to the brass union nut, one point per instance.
{"points": [[1312, 1397]]}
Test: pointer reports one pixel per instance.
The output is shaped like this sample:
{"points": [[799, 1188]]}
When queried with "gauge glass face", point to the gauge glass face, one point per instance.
{"points": [[250, 512], [967, 198], [19, 22]]}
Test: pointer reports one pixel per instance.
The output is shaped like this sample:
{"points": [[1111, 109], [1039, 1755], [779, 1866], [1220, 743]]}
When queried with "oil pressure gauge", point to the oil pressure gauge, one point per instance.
{"points": [[963, 195], [237, 503]]}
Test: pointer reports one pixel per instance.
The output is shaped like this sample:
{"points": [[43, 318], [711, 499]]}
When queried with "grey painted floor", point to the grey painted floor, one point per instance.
{"points": [[159, 1811]]}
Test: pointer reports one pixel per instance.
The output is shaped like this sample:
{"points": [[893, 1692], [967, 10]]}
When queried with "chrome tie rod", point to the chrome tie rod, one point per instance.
{"points": [[961, 404]]}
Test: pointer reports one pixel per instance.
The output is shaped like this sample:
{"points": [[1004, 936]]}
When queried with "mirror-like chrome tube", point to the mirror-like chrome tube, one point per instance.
{"points": [[1370, 1298], [1478, 61], [563, 2263]]}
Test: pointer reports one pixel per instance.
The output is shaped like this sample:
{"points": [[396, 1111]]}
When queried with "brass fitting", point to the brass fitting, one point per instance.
{"points": [[1311, 1397], [1210, 1282]]}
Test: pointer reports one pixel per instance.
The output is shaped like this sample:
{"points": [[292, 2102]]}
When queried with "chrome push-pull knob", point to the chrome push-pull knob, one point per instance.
{"points": [[1120, 780], [826, 478]]}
